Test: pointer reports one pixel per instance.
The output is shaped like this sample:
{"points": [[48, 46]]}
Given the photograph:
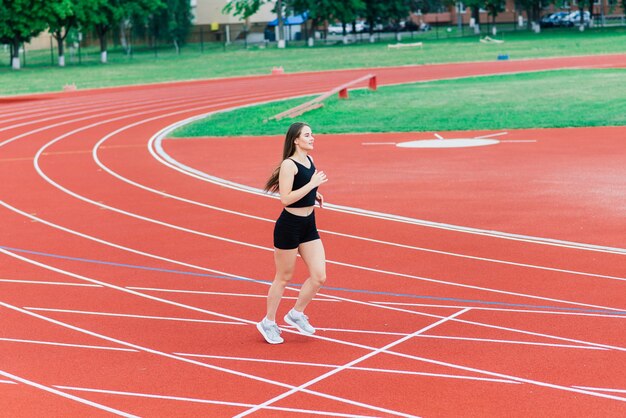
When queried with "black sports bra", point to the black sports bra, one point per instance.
{"points": [[303, 177]]}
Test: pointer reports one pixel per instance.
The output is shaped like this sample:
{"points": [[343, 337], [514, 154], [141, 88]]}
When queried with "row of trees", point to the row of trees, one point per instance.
{"points": [[394, 11], [21, 20]]}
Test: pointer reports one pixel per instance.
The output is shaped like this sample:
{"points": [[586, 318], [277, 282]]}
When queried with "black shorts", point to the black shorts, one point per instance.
{"points": [[292, 230]]}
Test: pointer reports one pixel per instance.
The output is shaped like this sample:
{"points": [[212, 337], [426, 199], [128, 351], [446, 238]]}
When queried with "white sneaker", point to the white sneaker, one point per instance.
{"points": [[270, 332], [301, 322]]}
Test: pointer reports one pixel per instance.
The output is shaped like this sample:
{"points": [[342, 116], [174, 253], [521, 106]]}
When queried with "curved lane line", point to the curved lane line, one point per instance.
{"points": [[236, 242], [167, 160]]}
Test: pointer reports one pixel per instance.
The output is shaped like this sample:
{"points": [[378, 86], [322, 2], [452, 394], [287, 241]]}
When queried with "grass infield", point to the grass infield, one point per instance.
{"points": [[550, 99], [149, 67]]}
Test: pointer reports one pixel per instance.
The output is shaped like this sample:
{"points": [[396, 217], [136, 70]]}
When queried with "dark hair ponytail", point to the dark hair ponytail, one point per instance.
{"points": [[289, 148]]}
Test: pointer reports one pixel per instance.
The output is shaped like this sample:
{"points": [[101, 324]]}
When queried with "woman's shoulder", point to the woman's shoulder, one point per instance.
{"points": [[289, 164]]}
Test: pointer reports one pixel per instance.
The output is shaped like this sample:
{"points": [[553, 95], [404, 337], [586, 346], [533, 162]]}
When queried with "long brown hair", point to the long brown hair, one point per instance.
{"points": [[289, 148]]}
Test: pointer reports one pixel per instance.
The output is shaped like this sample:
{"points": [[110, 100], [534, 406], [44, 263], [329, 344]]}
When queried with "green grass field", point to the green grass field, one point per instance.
{"points": [[566, 98], [146, 67]]}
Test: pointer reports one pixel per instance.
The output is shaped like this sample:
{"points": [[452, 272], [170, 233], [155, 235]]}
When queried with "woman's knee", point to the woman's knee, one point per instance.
{"points": [[283, 277], [318, 277]]}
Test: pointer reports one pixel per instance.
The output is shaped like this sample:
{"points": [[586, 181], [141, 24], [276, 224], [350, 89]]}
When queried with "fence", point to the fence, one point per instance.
{"points": [[203, 40]]}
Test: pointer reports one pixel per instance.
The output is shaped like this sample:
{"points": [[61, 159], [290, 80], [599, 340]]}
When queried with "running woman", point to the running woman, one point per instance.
{"points": [[296, 180]]}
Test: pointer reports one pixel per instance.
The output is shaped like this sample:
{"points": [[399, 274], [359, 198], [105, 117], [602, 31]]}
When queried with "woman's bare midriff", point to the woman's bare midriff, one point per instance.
{"points": [[306, 211]]}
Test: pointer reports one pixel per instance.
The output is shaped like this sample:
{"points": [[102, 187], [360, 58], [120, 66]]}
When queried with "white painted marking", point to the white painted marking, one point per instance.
{"points": [[601, 389], [155, 147], [483, 340], [204, 292], [350, 364], [93, 347], [447, 143], [491, 135], [367, 369], [8, 382], [511, 310], [126, 180], [66, 395], [46, 178], [412, 357], [519, 140], [208, 401], [201, 364], [49, 283], [120, 315]]}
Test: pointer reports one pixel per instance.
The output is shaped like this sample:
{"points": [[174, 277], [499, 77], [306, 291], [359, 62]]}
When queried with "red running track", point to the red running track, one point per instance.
{"points": [[482, 282]]}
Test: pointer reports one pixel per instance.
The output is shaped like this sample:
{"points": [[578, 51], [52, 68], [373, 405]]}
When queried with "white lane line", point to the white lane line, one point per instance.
{"points": [[155, 147], [511, 310], [334, 366], [361, 238], [157, 138], [365, 347], [602, 389], [209, 401], [121, 315], [491, 135], [63, 107], [382, 242], [69, 121], [201, 364], [206, 235], [48, 283], [481, 324], [341, 368], [204, 292], [532, 343], [342, 330], [144, 103], [97, 108], [187, 230], [66, 395], [93, 347], [131, 250], [8, 382]]}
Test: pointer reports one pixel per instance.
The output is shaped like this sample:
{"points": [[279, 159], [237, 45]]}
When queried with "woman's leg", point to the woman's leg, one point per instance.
{"points": [[314, 257], [285, 261]]}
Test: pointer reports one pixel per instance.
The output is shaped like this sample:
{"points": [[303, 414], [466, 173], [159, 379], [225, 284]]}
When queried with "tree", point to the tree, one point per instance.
{"points": [[20, 21], [136, 15], [61, 19], [100, 16], [318, 12], [494, 7], [346, 11], [372, 12], [175, 18], [532, 9], [475, 6], [246, 8]]}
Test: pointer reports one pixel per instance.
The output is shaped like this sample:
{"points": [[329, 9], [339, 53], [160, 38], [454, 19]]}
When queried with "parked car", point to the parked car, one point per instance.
{"points": [[337, 28], [377, 27], [553, 19], [573, 19]]}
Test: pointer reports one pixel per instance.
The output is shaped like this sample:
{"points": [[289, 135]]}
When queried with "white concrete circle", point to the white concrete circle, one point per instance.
{"points": [[447, 143]]}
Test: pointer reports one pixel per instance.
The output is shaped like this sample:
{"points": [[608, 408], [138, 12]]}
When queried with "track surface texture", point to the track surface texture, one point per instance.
{"points": [[476, 282]]}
